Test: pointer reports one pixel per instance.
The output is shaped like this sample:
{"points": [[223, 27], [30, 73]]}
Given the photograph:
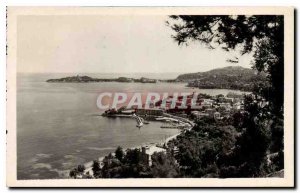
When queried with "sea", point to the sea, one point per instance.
{"points": [[60, 126]]}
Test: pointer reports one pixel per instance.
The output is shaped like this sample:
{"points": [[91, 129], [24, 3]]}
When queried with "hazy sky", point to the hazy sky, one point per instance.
{"points": [[110, 44]]}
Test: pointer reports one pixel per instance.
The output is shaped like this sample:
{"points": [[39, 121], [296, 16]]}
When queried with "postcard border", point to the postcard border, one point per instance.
{"points": [[287, 181]]}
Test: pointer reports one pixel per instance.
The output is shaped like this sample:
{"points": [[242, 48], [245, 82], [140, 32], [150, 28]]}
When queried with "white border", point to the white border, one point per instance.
{"points": [[287, 181]]}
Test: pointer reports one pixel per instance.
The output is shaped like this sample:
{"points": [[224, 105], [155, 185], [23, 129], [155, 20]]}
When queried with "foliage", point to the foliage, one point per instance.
{"points": [[248, 154], [277, 135], [231, 77], [261, 35], [164, 165], [200, 147], [204, 96], [73, 173], [80, 168], [278, 161], [96, 169], [134, 164], [119, 154]]}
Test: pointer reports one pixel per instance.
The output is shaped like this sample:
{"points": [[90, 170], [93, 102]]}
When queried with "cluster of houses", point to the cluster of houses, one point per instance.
{"points": [[219, 106], [140, 80]]}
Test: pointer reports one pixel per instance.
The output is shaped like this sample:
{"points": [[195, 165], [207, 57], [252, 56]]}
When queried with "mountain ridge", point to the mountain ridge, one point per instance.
{"points": [[217, 71], [230, 77]]}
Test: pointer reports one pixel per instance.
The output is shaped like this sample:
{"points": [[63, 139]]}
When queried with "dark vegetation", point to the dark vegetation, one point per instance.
{"points": [[133, 163], [211, 149], [231, 77], [262, 125]]}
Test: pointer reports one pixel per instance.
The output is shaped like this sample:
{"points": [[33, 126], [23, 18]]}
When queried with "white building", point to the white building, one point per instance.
{"points": [[217, 115], [198, 114]]}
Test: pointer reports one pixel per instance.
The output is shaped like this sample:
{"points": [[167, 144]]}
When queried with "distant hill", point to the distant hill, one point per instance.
{"points": [[231, 77]]}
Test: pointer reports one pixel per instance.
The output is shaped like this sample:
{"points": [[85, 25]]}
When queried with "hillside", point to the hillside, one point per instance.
{"points": [[231, 77]]}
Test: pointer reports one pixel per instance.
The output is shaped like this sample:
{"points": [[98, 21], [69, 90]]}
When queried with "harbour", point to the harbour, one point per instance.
{"points": [[63, 115]]}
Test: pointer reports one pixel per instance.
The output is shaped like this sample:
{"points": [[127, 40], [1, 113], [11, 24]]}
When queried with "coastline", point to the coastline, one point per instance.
{"points": [[88, 165], [152, 147]]}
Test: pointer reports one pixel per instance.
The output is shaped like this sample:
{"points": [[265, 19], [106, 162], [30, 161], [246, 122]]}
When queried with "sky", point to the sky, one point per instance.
{"points": [[110, 44]]}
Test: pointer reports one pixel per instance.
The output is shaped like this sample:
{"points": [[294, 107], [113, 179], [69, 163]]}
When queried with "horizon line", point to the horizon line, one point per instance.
{"points": [[126, 72]]}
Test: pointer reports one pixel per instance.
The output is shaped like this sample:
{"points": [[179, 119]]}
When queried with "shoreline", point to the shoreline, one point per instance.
{"points": [[88, 165]]}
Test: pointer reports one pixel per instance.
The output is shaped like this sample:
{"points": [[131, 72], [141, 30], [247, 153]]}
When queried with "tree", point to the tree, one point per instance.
{"points": [[80, 168], [73, 173], [163, 166], [237, 120], [112, 167], [133, 156], [263, 36], [252, 145], [119, 153], [96, 169], [277, 135]]}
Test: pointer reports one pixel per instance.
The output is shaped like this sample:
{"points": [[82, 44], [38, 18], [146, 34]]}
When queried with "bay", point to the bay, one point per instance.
{"points": [[59, 125]]}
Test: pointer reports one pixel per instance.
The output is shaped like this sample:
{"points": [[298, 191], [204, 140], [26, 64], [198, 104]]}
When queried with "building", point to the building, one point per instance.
{"points": [[127, 112], [210, 112], [150, 112], [228, 100], [147, 80], [221, 99], [208, 101], [234, 95], [175, 151], [199, 115], [226, 106], [146, 158], [236, 100], [217, 115], [237, 106], [148, 151]]}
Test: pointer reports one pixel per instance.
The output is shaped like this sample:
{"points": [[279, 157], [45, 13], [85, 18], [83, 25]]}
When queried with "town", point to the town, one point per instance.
{"points": [[170, 109], [173, 116]]}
